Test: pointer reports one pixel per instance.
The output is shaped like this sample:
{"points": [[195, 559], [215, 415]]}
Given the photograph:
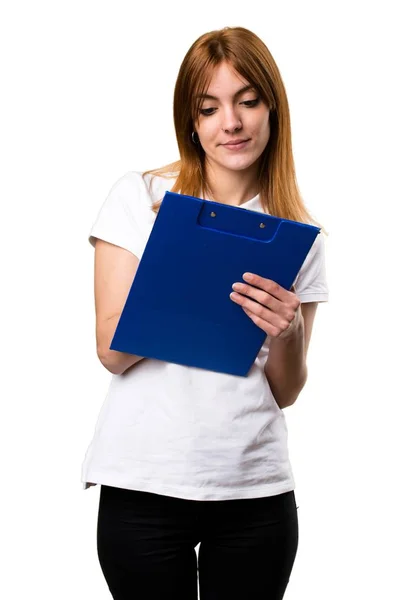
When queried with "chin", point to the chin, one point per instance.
{"points": [[234, 163], [238, 165]]}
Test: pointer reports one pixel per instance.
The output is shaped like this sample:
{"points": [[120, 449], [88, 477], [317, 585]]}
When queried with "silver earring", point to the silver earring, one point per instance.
{"points": [[193, 138]]}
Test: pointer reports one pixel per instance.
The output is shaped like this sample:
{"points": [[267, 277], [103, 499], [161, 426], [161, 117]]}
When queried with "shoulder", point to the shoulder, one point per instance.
{"points": [[138, 189], [156, 184], [130, 186], [311, 281], [316, 253]]}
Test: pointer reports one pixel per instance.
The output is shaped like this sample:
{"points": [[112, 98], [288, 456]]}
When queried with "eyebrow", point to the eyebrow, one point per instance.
{"points": [[238, 93]]}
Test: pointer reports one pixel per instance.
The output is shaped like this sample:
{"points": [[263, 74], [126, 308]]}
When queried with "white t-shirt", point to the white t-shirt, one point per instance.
{"points": [[182, 431]]}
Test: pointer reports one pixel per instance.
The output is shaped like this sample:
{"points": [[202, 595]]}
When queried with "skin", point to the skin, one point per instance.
{"points": [[233, 114]]}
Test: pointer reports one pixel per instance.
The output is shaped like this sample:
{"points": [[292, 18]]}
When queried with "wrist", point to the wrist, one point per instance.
{"points": [[295, 329]]}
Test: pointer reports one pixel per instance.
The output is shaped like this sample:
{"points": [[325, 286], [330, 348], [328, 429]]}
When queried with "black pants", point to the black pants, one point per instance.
{"points": [[146, 546]]}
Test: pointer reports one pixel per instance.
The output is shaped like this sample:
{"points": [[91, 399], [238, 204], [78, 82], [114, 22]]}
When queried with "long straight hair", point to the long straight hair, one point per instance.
{"points": [[249, 56]]}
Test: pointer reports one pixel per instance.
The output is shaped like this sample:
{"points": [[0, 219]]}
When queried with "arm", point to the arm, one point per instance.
{"points": [[114, 272], [285, 368]]}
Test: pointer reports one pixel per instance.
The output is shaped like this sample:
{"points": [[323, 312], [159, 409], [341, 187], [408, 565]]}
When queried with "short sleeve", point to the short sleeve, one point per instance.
{"points": [[123, 214], [311, 281]]}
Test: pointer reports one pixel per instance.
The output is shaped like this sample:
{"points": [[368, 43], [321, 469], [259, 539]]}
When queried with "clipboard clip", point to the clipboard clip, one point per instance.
{"points": [[238, 221]]}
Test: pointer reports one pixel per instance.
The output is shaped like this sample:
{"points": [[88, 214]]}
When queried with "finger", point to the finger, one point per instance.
{"points": [[258, 295], [265, 314], [267, 285], [266, 326]]}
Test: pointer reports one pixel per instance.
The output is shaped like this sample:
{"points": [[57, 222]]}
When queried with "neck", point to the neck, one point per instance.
{"points": [[231, 187]]}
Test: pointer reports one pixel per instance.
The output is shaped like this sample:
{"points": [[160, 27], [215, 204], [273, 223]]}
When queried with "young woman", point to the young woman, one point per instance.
{"points": [[186, 456]]}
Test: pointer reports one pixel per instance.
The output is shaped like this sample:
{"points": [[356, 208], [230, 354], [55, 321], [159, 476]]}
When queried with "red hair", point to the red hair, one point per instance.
{"points": [[248, 55]]}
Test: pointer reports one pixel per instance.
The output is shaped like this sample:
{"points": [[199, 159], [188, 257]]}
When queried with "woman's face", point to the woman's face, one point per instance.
{"points": [[233, 125]]}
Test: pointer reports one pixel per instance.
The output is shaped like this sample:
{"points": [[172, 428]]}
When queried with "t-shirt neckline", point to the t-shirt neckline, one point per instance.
{"points": [[253, 200]]}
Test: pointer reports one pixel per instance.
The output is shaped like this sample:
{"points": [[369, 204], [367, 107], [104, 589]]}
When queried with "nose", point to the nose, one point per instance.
{"points": [[230, 121]]}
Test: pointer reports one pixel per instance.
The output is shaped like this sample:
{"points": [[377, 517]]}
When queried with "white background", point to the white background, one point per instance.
{"points": [[87, 96]]}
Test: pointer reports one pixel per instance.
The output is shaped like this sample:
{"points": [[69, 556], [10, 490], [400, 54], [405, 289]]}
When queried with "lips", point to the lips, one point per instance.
{"points": [[235, 144]]}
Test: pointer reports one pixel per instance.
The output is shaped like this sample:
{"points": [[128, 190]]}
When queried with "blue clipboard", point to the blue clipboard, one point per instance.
{"points": [[178, 308]]}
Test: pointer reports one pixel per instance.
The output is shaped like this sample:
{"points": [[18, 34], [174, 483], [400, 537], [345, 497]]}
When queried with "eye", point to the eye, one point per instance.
{"points": [[251, 103], [207, 111]]}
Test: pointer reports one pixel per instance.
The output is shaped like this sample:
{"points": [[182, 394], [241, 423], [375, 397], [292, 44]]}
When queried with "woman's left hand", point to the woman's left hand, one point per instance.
{"points": [[270, 306]]}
